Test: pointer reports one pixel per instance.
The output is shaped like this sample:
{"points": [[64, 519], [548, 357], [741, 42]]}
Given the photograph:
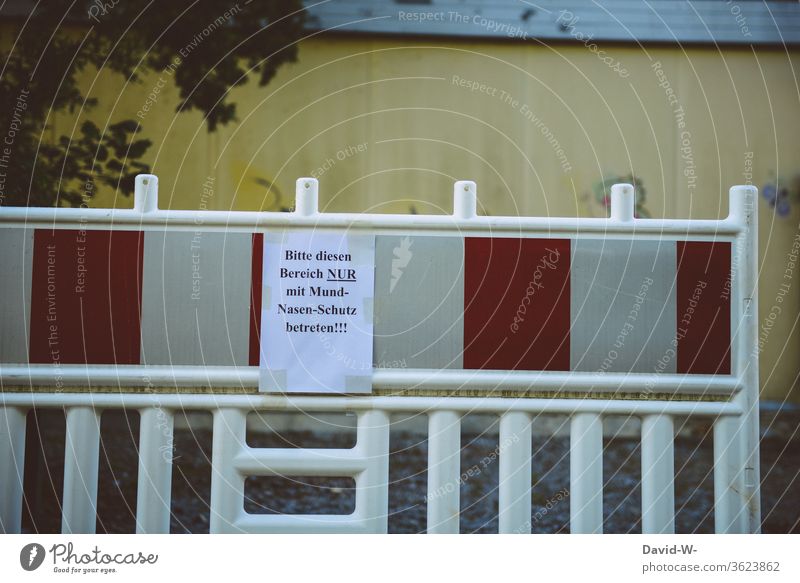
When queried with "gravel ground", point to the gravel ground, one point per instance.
{"points": [[780, 471]]}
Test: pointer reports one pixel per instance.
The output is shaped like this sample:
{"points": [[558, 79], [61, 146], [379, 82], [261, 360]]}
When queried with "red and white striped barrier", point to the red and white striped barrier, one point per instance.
{"points": [[593, 302]]}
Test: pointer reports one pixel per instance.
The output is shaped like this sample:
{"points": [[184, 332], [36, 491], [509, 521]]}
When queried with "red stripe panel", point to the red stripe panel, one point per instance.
{"points": [[703, 307], [86, 297], [517, 304], [255, 297]]}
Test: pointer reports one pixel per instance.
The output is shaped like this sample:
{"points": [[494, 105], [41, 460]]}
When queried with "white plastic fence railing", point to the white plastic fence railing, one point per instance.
{"points": [[367, 462], [733, 409]]}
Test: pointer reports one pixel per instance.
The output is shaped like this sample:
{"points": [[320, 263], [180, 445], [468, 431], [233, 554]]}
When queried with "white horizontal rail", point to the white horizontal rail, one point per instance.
{"points": [[389, 379], [178, 219], [464, 218], [556, 381], [389, 404], [300, 524], [299, 462]]}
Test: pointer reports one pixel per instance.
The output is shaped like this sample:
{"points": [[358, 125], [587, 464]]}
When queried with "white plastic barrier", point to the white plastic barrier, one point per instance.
{"points": [[557, 315]]}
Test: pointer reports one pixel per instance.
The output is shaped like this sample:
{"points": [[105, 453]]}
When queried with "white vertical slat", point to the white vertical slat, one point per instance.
{"points": [[515, 473], [153, 495], [730, 508], [372, 484], [227, 484], [586, 474], [658, 475], [745, 495], [444, 467], [81, 461], [12, 465]]}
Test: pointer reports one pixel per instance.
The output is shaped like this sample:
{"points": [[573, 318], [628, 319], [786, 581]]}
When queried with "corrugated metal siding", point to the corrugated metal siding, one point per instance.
{"points": [[699, 21]]}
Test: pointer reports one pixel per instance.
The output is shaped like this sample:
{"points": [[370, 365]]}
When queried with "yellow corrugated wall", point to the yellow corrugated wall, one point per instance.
{"points": [[389, 124]]}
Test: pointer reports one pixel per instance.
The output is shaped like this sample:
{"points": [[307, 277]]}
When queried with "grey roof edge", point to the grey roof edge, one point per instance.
{"points": [[738, 22], [724, 22]]}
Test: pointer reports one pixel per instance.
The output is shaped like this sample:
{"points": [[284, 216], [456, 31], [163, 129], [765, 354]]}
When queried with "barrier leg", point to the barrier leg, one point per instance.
{"points": [[658, 475], [515, 473], [153, 496], [81, 460], [730, 500], [12, 460], [227, 484], [444, 467], [372, 485], [586, 474]]}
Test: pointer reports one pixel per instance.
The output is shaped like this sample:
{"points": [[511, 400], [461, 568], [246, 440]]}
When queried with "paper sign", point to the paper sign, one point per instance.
{"points": [[316, 318]]}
